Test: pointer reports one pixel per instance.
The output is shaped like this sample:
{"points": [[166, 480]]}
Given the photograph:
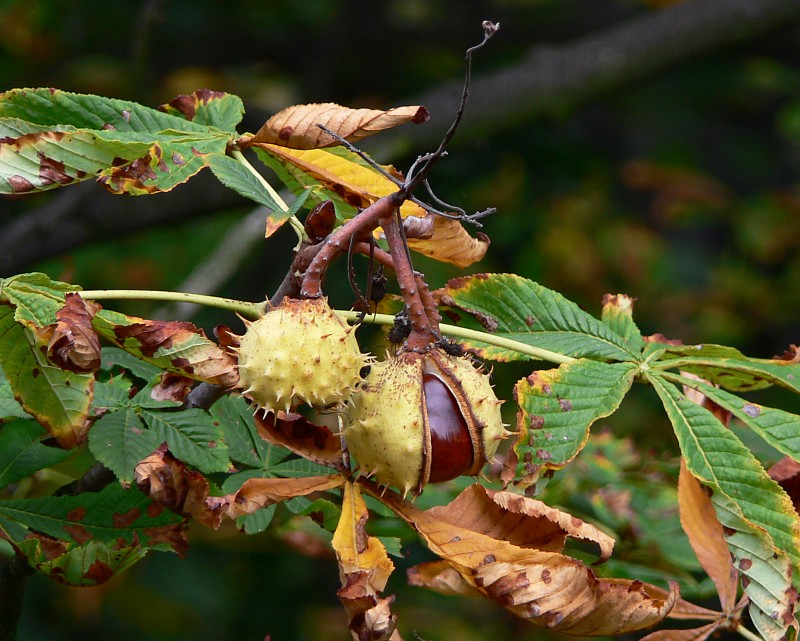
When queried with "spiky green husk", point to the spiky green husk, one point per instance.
{"points": [[387, 421], [300, 352]]}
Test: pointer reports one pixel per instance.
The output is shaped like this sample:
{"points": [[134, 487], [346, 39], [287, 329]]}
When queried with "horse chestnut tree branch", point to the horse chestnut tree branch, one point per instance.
{"points": [[296, 411]]}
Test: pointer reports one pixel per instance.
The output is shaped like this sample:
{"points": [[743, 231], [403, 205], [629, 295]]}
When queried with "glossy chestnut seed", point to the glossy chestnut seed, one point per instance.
{"points": [[451, 448]]}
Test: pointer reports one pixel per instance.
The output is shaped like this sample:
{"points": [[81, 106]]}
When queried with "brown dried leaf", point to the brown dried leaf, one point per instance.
{"points": [[440, 577], [364, 569], [449, 242], [522, 521], [299, 435], [296, 127], [699, 521], [168, 481], [549, 589], [261, 492], [172, 387], [72, 342]]}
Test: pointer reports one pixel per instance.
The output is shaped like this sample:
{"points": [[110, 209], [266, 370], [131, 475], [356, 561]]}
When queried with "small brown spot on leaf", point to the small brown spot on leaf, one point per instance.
{"points": [[546, 576], [98, 572], [530, 321], [543, 455], [727, 531], [155, 509], [285, 132], [20, 185], [536, 422], [35, 372], [126, 115], [77, 514], [635, 586], [489, 558], [745, 564], [128, 518], [177, 159], [79, 533], [565, 404]]}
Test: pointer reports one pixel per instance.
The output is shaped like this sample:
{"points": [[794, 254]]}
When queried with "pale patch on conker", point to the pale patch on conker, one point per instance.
{"points": [[299, 352], [421, 418]]}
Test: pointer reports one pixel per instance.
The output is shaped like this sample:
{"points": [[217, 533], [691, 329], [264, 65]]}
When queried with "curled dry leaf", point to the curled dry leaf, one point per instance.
{"points": [[296, 127], [544, 587], [699, 521], [262, 492], [168, 481], [72, 342], [364, 569], [299, 435], [172, 387], [449, 242]]}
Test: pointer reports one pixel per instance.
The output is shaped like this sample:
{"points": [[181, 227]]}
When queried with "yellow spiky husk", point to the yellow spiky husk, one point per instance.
{"points": [[299, 352]]}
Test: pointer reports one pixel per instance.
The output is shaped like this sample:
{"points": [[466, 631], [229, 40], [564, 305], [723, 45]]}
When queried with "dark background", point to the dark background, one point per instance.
{"points": [[638, 146]]}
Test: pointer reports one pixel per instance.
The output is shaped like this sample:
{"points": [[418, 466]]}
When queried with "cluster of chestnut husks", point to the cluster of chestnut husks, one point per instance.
{"points": [[299, 352], [423, 418]]}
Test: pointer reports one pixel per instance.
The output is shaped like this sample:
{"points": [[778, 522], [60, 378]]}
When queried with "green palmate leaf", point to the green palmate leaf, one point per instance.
{"points": [[129, 148], [9, 406], [22, 452], [245, 446], [35, 296], [55, 158], [119, 440], [112, 356], [769, 575], [299, 467], [168, 162], [519, 309], [113, 515], [192, 436], [59, 400], [729, 368], [205, 107], [558, 406], [90, 564], [777, 427], [52, 108], [721, 461], [234, 175]]}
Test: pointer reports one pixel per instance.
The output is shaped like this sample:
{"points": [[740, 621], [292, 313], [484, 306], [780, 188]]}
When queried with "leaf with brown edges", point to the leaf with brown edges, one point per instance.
{"points": [[176, 346], [544, 587], [296, 126]]}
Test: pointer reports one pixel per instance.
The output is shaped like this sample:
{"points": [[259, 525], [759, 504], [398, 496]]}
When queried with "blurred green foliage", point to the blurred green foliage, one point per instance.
{"points": [[680, 189]]}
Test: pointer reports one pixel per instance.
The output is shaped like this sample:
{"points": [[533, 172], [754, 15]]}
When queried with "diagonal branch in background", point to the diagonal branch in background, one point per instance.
{"points": [[548, 77], [551, 77]]}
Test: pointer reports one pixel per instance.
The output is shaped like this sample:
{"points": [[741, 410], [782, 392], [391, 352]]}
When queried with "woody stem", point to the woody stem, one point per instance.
{"points": [[422, 331]]}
